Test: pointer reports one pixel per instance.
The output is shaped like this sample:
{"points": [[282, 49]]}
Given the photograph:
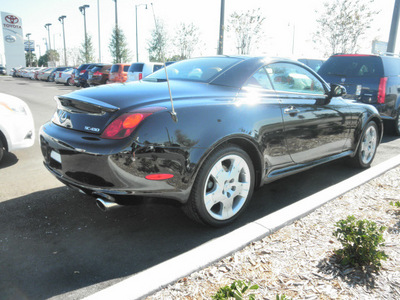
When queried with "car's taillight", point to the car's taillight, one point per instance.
{"points": [[125, 124], [97, 73], [59, 75], [140, 76], [82, 72], [382, 90]]}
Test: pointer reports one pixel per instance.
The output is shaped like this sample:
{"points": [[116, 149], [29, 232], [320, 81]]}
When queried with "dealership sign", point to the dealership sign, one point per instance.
{"points": [[12, 40]]}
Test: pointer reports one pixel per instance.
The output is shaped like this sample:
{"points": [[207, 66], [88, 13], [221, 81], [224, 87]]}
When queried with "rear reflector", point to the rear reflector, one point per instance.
{"points": [[159, 176], [382, 90]]}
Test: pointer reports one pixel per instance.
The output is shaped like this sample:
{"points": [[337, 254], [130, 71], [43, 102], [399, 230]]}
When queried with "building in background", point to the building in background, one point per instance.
{"points": [[12, 52]]}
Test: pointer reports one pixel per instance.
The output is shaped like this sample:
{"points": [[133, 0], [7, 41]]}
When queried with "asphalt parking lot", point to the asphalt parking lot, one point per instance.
{"points": [[56, 244]]}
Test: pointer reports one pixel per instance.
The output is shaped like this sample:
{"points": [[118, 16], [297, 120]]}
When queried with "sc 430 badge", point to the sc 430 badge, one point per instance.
{"points": [[93, 129]]}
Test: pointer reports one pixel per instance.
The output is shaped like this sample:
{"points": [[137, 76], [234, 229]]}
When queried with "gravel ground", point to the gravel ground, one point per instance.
{"points": [[299, 261]]}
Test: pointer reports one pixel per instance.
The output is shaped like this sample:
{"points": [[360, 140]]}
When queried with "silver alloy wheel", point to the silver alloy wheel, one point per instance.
{"points": [[368, 144], [227, 187], [398, 122]]}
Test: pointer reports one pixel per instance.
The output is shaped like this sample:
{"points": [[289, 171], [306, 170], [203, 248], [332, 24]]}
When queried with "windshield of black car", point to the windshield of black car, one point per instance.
{"points": [[352, 66], [197, 69]]}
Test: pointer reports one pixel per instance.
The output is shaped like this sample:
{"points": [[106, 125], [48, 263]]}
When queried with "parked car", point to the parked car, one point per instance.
{"points": [[84, 74], [138, 70], [17, 129], [80, 71], [238, 123], [99, 74], [3, 70], [370, 79], [118, 73], [64, 77], [313, 63], [53, 73], [44, 74]]}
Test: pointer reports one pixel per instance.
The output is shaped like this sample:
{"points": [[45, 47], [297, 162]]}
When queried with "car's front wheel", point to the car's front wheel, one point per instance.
{"points": [[223, 187], [368, 145]]}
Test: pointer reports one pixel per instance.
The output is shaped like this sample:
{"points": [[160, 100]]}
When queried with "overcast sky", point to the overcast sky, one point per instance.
{"points": [[283, 19]]}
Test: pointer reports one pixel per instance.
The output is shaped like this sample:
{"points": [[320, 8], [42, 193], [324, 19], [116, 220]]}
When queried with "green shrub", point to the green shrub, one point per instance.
{"points": [[282, 297], [397, 203], [236, 290], [360, 240]]}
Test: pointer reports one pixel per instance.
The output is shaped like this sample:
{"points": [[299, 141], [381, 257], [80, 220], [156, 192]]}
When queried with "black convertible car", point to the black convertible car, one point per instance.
{"points": [[207, 137]]}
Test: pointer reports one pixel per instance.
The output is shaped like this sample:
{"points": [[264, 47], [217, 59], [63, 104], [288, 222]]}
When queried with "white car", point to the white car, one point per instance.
{"points": [[138, 71], [64, 77], [17, 130]]}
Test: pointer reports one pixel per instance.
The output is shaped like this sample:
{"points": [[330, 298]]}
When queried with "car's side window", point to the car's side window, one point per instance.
{"points": [[289, 77], [259, 79]]}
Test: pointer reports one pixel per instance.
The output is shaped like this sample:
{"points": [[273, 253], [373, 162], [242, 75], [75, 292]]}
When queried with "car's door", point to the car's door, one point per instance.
{"points": [[314, 127], [261, 101]]}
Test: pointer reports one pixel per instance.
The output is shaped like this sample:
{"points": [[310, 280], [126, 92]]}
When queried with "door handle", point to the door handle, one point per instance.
{"points": [[291, 110]]}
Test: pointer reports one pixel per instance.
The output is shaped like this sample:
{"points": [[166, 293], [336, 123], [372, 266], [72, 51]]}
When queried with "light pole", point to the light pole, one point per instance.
{"points": [[40, 52], [137, 43], [61, 19], [29, 49], [221, 29], [82, 9], [98, 23], [47, 26], [117, 52]]}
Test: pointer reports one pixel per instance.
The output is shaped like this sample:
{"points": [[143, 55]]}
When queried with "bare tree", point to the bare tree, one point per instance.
{"points": [[341, 25], [247, 28], [186, 38]]}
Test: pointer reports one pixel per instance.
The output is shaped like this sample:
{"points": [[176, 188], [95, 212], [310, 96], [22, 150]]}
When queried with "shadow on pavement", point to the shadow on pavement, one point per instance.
{"points": [[56, 241]]}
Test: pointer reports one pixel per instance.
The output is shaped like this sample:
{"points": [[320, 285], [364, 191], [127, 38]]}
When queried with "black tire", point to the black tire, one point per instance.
{"points": [[217, 181], [367, 146], [2, 150], [396, 125]]}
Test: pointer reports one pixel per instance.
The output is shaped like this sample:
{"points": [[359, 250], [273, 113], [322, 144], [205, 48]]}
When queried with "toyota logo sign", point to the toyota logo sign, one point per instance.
{"points": [[11, 19], [10, 38]]}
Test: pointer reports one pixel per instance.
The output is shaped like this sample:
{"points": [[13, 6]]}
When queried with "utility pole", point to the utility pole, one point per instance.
{"points": [[82, 9], [61, 19], [221, 29], [47, 26], [394, 27]]}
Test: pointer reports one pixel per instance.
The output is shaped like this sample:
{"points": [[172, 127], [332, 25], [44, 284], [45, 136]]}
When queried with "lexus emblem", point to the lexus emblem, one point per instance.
{"points": [[11, 19], [343, 80]]}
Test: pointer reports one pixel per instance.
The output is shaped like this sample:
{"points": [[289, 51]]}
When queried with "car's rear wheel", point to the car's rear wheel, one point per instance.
{"points": [[368, 145], [1, 149], [69, 82], [223, 187], [397, 123]]}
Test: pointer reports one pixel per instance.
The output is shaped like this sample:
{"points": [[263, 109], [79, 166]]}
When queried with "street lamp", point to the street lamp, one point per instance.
{"points": [[98, 24], [47, 26], [61, 19], [137, 43], [29, 49], [117, 52], [82, 9]]}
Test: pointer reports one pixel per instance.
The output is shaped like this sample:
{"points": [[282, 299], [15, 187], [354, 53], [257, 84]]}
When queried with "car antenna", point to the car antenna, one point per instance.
{"points": [[174, 116]]}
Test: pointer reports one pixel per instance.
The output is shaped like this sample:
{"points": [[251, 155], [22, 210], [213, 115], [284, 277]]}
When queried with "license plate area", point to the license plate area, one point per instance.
{"points": [[56, 156]]}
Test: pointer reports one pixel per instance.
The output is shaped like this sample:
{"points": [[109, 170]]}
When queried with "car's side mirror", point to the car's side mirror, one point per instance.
{"points": [[337, 90]]}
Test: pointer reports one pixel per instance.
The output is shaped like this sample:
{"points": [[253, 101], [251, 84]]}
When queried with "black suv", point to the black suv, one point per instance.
{"points": [[370, 79]]}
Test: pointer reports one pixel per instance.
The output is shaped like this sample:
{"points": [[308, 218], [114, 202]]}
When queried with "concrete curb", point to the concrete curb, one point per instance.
{"points": [[149, 281]]}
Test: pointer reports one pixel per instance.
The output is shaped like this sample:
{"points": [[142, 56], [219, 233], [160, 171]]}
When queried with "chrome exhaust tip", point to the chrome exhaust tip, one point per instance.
{"points": [[106, 205]]}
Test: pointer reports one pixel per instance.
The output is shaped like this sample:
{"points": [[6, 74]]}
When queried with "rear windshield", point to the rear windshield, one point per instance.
{"points": [[83, 67], [197, 69], [352, 66], [136, 67], [126, 68], [95, 69], [114, 69]]}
